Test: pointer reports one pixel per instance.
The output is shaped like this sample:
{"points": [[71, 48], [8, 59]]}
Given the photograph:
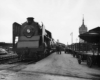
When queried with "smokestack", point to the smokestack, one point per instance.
{"points": [[30, 20]]}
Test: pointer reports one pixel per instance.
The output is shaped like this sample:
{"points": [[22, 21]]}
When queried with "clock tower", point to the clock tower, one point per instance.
{"points": [[82, 29]]}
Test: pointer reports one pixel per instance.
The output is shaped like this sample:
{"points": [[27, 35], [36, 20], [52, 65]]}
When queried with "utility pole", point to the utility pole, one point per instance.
{"points": [[71, 37], [67, 43], [76, 40]]}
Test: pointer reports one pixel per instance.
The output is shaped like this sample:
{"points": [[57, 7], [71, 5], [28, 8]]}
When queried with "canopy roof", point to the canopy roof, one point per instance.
{"points": [[92, 36]]}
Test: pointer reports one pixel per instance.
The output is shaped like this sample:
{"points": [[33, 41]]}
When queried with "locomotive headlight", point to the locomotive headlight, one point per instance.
{"points": [[28, 31]]}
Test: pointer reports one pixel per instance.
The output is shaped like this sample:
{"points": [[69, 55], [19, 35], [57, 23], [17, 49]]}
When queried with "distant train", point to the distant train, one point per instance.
{"points": [[33, 40]]}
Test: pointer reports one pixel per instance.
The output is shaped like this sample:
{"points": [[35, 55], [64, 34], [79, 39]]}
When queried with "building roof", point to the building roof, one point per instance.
{"points": [[92, 36]]}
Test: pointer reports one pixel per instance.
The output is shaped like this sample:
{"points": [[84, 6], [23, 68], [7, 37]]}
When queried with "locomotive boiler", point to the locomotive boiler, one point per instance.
{"points": [[31, 40]]}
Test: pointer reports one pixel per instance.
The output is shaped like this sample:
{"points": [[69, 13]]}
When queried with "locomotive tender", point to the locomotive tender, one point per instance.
{"points": [[33, 40]]}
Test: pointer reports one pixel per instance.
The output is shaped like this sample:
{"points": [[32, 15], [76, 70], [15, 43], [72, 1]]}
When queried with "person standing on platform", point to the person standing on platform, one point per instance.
{"points": [[58, 49]]}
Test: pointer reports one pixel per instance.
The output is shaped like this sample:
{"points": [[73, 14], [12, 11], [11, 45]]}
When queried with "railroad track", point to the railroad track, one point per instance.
{"points": [[15, 59], [11, 59], [6, 58], [20, 61]]}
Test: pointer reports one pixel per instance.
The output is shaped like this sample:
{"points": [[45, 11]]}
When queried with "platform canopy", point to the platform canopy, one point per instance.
{"points": [[92, 36]]}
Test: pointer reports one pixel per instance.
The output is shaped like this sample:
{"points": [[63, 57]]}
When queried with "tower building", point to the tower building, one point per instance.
{"points": [[82, 29]]}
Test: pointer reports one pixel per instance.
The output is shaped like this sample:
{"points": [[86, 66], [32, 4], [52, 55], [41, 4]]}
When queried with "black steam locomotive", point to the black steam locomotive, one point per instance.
{"points": [[30, 40]]}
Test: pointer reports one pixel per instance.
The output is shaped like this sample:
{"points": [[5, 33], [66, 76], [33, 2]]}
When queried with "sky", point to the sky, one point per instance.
{"points": [[61, 17]]}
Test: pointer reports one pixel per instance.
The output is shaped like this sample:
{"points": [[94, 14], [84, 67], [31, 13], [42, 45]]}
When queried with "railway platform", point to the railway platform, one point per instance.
{"points": [[53, 67]]}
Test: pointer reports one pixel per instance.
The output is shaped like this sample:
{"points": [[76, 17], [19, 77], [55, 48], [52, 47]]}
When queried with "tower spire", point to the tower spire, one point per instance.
{"points": [[83, 19]]}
